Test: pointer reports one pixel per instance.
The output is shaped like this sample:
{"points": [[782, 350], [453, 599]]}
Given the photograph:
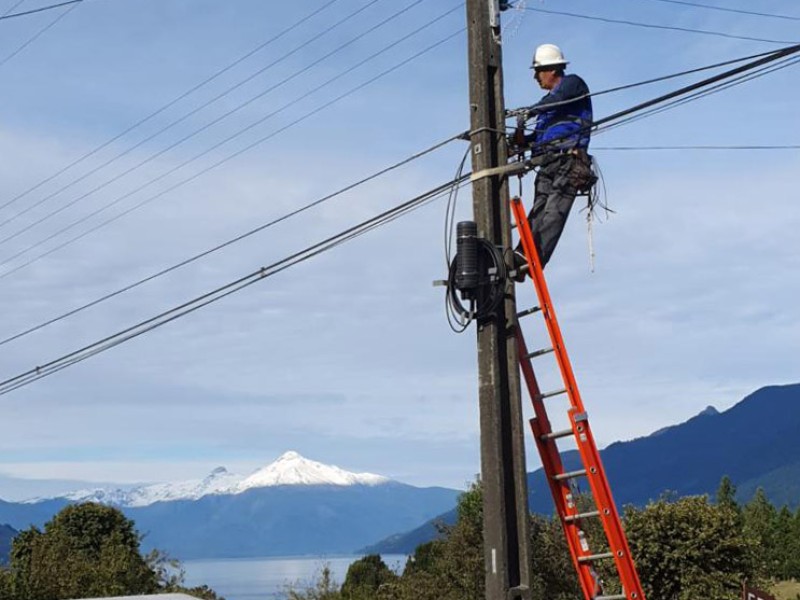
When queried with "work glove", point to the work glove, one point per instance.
{"points": [[516, 141]]}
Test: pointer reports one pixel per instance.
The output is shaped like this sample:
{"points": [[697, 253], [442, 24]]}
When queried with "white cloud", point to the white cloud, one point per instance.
{"points": [[692, 302]]}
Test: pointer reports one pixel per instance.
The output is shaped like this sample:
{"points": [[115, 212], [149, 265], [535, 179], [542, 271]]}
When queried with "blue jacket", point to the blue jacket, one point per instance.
{"points": [[561, 124]]}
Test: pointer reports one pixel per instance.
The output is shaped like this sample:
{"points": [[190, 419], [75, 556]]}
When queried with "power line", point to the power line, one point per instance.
{"points": [[226, 290], [38, 34], [774, 56], [643, 106], [217, 120], [628, 86], [13, 7], [696, 90], [702, 93], [724, 63], [730, 10], [232, 241], [186, 308], [38, 10], [654, 26], [172, 102], [193, 134], [219, 162], [174, 123]]}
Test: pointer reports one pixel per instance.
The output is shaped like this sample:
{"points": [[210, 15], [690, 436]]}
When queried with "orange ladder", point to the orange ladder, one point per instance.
{"points": [[561, 481]]}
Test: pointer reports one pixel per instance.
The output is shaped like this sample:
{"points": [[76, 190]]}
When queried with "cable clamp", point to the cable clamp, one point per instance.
{"points": [[514, 168], [467, 135]]}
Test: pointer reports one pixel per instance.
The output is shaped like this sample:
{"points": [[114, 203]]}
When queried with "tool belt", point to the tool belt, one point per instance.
{"points": [[581, 173]]}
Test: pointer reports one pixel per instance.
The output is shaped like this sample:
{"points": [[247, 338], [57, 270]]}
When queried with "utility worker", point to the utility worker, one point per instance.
{"points": [[561, 136]]}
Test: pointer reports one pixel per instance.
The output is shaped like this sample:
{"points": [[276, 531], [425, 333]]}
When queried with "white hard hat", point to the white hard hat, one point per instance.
{"points": [[548, 55]]}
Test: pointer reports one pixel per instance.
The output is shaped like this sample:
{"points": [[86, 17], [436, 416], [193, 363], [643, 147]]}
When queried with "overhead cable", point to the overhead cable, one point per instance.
{"points": [[38, 34], [655, 26], [702, 93], [38, 10], [772, 57], [730, 10], [226, 290], [234, 240], [176, 122], [606, 121], [13, 7], [693, 71], [235, 109], [214, 165], [172, 102], [628, 86], [694, 91]]}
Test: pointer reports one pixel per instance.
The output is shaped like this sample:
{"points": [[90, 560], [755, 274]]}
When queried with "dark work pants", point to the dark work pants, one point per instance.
{"points": [[555, 192]]}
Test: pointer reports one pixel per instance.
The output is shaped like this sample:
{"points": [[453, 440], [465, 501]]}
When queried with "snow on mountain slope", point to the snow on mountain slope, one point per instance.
{"points": [[289, 469], [217, 482], [293, 469]]}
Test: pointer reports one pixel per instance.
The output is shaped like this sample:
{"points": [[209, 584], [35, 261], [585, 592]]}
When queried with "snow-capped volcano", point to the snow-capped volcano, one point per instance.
{"points": [[293, 469], [289, 469]]}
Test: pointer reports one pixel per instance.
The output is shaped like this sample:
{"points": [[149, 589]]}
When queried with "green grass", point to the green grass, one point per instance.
{"points": [[786, 590]]}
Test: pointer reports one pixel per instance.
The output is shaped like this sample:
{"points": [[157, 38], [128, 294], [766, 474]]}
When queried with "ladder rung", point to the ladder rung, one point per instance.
{"points": [[569, 475], [587, 559], [554, 435], [528, 311], [553, 393], [586, 515], [541, 352], [594, 557]]}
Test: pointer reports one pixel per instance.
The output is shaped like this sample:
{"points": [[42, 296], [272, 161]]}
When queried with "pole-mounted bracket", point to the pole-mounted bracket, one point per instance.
{"points": [[495, 8], [514, 168]]}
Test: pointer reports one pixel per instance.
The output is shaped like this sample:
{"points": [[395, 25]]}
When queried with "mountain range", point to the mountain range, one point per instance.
{"points": [[296, 506], [289, 469], [755, 443], [293, 506]]}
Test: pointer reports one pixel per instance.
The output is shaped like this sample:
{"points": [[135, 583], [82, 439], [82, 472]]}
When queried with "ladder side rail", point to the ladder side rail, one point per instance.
{"points": [[586, 444], [546, 303], [609, 516], [566, 506], [532, 383], [552, 465]]}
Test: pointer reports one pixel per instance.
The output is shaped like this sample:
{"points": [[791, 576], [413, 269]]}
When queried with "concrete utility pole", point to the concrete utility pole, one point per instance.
{"points": [[505, 490]]}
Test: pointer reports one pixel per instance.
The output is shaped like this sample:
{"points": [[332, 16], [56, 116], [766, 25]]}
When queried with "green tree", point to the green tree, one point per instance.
{"points": [[88, 550], [451, 568], [726, 495], [85, 550], [424, 558], [689, 548], [6, 584], [553, 575], [22, 550], [365, 577], [786, 547], [760, 522], [793, 547]]}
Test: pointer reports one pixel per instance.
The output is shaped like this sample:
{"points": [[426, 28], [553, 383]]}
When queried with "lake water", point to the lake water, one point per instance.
{"points": [[268, 578]]}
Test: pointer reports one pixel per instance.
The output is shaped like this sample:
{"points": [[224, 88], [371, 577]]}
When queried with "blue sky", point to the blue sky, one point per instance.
{"points": [[348, 358]]}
